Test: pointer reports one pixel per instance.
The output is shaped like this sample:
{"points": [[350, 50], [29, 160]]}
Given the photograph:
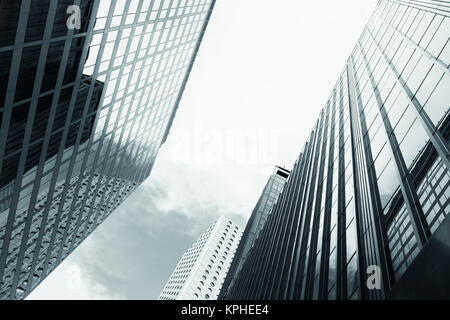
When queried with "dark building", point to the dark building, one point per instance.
{"points": [[255, 224], [84, 109], [23, 95], [364, 214], [27, 68]]}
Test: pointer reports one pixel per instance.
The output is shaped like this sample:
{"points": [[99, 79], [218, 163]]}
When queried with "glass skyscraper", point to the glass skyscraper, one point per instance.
{"points": [[257, 220], [88, 93], [369, 196]]}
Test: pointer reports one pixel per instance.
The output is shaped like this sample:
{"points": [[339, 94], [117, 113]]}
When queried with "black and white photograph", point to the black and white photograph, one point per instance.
{"points": [[221, 156]]}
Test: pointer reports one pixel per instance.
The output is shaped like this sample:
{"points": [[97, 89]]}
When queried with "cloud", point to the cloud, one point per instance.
{"points": [[70, 282], [133, 253]]}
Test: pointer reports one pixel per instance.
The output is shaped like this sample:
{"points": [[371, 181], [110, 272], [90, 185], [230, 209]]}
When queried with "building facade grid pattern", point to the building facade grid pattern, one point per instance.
{"points": [[201, 271], [256, 223]]}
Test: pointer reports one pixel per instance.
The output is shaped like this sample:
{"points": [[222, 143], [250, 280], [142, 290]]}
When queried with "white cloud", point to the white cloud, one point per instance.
{"points": [[69, 282]]}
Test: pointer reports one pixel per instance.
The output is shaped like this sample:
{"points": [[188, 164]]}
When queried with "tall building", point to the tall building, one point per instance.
{"points": [[201, 271], [255, 224], [364, 214], [88, 92]]}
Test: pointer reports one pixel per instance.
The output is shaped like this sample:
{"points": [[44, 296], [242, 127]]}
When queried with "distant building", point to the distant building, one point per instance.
{"points": [[201, 271], [256, 223]]}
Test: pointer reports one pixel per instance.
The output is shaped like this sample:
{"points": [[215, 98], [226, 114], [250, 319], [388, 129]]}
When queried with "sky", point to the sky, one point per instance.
{"points": [[263, 73]]}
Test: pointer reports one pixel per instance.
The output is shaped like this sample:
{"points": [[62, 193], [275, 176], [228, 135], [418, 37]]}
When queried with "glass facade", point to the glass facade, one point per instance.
{"points": [[84, 110], [371, 185], [256, 223]]}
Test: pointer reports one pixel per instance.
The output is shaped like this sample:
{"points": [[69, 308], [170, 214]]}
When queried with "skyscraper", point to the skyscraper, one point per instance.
{"points": [[255, 224], [88, 92], [364, 214], [201, 271]]}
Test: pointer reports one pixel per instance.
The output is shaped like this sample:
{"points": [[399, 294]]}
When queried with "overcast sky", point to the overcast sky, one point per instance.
{"points": [[264, 71]]}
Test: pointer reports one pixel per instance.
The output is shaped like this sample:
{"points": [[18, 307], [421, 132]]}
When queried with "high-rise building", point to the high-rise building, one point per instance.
{"points": [[201, 271], [364, 214], [255, 224], [88, 92]]}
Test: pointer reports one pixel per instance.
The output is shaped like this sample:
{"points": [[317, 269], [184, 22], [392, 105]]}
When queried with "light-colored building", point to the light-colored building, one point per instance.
{"points": [[202, 270]]}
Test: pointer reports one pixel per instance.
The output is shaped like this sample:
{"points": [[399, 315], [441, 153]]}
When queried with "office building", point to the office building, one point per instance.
{"points": [[255, 224], [88, 92], [201, 271], [364, 214]]}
